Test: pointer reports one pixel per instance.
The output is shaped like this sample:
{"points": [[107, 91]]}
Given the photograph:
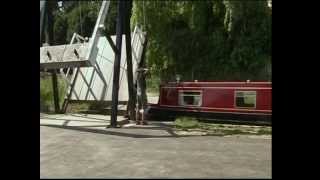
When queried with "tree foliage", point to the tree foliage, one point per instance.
{"points": [[207, 40], [203, 40], [80, 17]]}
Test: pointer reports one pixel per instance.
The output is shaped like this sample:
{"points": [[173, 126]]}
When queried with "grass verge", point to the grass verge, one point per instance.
{"points": [[191, 124]]}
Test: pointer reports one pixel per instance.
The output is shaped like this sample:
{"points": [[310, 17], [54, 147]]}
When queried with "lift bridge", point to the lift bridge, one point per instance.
{"points": [[104, 68]]}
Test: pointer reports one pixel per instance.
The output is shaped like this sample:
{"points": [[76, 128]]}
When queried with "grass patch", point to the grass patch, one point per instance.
{"points": [[78, 107], [264, 131], [193, 124], [185, 123]]}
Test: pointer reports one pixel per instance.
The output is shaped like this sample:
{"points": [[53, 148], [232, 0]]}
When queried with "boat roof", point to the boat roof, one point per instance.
{"points": [[218, 83]]}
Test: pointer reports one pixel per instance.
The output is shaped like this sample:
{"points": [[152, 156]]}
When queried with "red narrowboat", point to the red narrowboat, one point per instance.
{"points": [[220, 100]]}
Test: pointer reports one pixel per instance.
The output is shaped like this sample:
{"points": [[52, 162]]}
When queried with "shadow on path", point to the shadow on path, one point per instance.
{"points": [[123, 134]]}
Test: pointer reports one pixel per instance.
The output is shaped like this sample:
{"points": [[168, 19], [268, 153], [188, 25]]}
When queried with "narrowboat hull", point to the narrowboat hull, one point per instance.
{"points": [[234, 101], [169, 114]]}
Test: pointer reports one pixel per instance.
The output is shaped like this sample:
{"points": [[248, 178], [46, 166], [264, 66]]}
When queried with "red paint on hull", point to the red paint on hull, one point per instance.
{"points": [[217, 97]]}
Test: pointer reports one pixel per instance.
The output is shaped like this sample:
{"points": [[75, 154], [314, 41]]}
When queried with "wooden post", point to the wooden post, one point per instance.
{"points": [[43, 5], [66, 101], [116, 69], [49, 40], [141, 86], [132, 100], [55, 91]]}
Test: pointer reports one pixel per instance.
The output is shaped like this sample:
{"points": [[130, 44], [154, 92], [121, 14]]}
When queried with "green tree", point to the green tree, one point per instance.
{"points": [[204, 40]]}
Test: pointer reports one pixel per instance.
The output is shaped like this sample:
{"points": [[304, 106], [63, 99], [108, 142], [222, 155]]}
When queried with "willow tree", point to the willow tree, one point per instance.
{"points": [[249, 34], [204, 40], [207, 40]]}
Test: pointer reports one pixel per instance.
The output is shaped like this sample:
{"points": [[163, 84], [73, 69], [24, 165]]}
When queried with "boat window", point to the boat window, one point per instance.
{"points": [[190, 98], [246, 99]]}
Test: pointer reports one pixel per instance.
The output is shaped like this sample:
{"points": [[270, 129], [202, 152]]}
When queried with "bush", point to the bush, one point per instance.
{"points": [[46, 96], [46, 92]]}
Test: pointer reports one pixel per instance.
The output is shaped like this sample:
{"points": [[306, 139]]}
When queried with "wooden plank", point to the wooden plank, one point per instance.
{"points": [[42, 18], [63, 56], [66, 101], [127, 31], [117, 61], [49, 40], [55, 92], [96, 31], [114, 48]]}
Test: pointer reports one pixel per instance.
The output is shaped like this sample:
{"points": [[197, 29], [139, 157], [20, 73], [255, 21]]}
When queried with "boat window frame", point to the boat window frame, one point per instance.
{"points": [[180, 91], [245, 91]]}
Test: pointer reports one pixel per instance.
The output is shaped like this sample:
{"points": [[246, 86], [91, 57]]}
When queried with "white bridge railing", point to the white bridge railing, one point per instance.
{"points": [[74, 55]]}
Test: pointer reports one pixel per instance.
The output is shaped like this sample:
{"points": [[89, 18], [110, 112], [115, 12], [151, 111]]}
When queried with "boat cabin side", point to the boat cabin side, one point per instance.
{"points": [[253, 97]]}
